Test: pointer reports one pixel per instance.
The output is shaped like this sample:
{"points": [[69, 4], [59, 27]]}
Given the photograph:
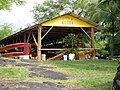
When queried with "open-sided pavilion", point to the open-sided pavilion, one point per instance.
{"points": [[52, 30]]}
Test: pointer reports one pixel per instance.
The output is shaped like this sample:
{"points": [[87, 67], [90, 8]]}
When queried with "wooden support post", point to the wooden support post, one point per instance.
{"points": [[28, 37], [13, 41], [39, 42], [16, 40], [20, 40], [92, 38], [24, 38], [92, 42]]}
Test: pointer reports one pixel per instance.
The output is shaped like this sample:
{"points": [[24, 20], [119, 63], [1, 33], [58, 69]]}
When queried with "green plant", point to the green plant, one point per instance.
{"points": [[102, 52], [71, 42], [101, 42]]}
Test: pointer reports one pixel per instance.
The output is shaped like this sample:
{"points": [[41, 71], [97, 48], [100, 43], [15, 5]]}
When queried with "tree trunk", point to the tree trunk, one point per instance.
{"points": [[112, 40]]}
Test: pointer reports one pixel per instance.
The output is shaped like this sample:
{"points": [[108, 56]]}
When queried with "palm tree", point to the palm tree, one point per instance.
{"points": [[107, 13]]}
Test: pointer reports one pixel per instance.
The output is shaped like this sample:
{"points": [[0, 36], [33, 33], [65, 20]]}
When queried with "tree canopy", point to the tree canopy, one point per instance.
{"points": [[50, 9], [53, 8], [6, 4], [5, 30], [110, 15]]}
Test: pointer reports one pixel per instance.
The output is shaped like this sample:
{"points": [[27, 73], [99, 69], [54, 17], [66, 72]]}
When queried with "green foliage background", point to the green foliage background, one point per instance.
{"points": [[5, 30]]}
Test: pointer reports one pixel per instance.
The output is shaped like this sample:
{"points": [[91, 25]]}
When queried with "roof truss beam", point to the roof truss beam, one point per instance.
{"points": [[86, 33], [34, 39], [47, 32]]}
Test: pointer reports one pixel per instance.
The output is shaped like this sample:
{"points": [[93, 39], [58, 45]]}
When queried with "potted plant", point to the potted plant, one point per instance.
{"points": [[71, 43]]}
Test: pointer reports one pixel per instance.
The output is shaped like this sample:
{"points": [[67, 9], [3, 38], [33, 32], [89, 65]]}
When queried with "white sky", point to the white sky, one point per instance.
{"points": [[19, 16]]}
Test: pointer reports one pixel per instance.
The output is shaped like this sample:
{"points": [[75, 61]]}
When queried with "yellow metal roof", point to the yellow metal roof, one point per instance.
{"points": [[71, 20], [66, 21]]}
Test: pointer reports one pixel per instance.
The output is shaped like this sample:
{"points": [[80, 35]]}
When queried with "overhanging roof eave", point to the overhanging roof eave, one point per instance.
{"points": [[18, 33]]}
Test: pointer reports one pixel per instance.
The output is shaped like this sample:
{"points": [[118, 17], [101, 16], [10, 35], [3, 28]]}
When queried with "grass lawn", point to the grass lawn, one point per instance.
{"points": [[18, 73], [94, 74]]}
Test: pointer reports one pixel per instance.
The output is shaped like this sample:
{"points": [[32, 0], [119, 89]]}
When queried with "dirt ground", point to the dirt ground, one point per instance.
{"points": [[36, 70]]}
